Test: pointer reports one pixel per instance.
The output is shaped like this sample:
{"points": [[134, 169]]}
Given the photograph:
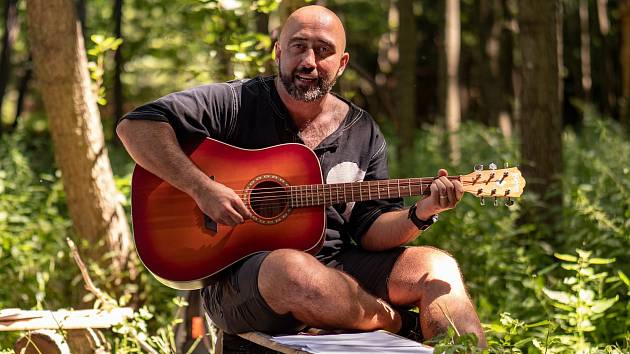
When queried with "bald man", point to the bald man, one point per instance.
{"points": [[363, 279]]}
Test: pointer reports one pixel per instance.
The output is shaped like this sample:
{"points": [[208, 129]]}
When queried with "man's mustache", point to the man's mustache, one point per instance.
{"points": [[304, 70]]}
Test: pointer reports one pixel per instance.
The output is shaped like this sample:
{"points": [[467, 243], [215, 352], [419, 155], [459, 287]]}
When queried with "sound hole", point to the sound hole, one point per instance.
{"points": [[268, 199]]}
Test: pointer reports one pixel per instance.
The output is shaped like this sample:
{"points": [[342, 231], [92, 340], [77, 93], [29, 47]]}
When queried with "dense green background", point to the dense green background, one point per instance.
{"points": [[538, 289]]}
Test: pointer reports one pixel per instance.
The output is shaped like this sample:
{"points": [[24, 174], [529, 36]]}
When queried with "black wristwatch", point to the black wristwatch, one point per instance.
{"points": [[420, 224]]}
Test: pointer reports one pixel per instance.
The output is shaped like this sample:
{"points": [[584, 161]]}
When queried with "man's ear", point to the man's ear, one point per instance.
{"points": [[276, 52], [343, 63]]}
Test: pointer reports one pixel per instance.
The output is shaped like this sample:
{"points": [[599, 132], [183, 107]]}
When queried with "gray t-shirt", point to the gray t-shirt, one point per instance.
{"points": [[250, 114]]}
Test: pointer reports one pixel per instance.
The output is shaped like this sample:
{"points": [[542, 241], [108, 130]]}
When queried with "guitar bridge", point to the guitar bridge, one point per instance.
{"points": [[210, 224]]}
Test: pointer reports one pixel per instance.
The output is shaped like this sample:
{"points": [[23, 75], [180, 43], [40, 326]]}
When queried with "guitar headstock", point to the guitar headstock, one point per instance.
{"points": [[496, 183]]}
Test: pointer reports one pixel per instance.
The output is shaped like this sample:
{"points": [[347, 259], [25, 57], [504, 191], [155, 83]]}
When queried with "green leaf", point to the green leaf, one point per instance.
{"points": [[566, 257], [522, 342], [537, 324], [97, 38], [624, 278], [560, 296], [600, 306], [602, 260]]}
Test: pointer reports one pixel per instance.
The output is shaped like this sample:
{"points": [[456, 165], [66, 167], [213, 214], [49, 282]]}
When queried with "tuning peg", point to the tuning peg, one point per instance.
{"points": [[492, 166], [478, 167], [482, 201], [509, 202], [496, 201]]}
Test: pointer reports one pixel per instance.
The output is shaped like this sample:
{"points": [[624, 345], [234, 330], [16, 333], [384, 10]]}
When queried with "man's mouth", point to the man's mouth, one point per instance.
{"points": [[306, 79]]}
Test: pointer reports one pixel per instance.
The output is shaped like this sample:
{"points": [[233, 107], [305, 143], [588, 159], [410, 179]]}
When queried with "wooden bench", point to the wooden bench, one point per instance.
{"points": [[81, 334]]}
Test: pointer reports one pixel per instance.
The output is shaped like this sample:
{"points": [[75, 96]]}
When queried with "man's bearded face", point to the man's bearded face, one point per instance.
{"points": [[303, 86]]}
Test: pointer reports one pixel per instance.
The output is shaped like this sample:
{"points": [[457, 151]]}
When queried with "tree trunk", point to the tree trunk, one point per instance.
{"points": [[506, 70], [82, 14], [585, 50], [541, 124], [23, 91], [118, 59], [10, 33], [406, 77], [453, 107], [606, 72], [60, 66], [624, 59]]}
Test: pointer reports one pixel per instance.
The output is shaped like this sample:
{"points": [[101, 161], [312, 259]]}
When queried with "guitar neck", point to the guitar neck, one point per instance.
{"points": [[338, 193]]}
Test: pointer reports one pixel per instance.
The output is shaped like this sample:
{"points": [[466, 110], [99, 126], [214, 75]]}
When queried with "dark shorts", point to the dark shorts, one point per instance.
{"points": [[234, 303]]}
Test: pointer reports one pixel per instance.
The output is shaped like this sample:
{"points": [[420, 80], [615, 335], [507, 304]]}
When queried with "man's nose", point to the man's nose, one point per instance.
{"points": [[309, 59]]}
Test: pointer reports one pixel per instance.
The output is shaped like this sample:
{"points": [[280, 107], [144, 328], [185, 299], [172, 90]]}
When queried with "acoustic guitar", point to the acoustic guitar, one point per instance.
{"points": [[283, 188]]}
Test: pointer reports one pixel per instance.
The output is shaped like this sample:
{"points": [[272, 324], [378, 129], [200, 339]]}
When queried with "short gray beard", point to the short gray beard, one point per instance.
{"points": [[311, 94]]}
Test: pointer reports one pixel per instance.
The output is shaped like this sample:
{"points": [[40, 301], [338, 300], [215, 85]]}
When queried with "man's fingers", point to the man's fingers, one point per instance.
{"points": [[241, 209], [435, 194], [442, 172], [459, 190], [235, 216], [442, 193], [450, 190]]}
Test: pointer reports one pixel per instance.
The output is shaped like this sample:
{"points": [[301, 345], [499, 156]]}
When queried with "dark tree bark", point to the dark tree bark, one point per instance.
{"points": [[10, 33], [585, 50], [118, 64], [606, 67], [624, 59], [77, 134], [541, 124], [506, 71], [23, 91], [406, 76], [487, 58], [262, 26], [82, 14]]}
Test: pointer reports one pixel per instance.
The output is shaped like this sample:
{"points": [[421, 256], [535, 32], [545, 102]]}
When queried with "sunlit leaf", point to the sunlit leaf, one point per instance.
{"points": [[600, 306], [566, 257]]}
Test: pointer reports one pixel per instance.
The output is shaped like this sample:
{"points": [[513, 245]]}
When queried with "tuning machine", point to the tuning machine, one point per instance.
{"points": [[509, 202]]}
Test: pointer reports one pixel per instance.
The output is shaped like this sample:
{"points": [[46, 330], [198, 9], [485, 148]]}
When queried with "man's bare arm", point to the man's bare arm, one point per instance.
{"points": [[394, 229], [153, 145]]}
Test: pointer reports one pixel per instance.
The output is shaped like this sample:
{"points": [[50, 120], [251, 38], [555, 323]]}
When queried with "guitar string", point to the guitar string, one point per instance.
{"points": [[370, 184], [308, 197], [424, 180], [305, 190], [330, 188]]}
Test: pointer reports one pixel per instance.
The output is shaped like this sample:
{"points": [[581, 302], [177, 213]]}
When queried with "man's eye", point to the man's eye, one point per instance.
{"points": [[298, 46], [323, 50]]}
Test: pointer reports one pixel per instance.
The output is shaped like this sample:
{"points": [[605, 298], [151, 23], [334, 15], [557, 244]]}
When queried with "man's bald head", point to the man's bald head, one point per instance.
{"points": [[314, 17]]}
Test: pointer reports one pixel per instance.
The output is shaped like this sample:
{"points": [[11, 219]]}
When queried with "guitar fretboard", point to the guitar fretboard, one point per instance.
{"points": [[337, 193]]}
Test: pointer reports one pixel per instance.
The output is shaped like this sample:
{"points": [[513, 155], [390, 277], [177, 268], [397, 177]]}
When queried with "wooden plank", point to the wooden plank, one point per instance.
{"points": [[62, 319], [265, 340]]}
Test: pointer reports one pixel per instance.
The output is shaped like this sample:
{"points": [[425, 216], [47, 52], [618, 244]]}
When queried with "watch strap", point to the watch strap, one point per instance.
{"points": [[420, 224]]}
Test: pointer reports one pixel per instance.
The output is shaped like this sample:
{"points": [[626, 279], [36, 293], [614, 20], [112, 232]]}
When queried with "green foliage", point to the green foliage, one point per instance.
{"points": [[452, 342], [587, 299], [133, 335], [33, 226], [509, 270], [102, 45]]}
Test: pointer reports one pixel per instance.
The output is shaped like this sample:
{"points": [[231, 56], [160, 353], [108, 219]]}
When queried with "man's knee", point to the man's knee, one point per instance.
{"points": [[288, 274], [288, 265], [435, 264]]}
